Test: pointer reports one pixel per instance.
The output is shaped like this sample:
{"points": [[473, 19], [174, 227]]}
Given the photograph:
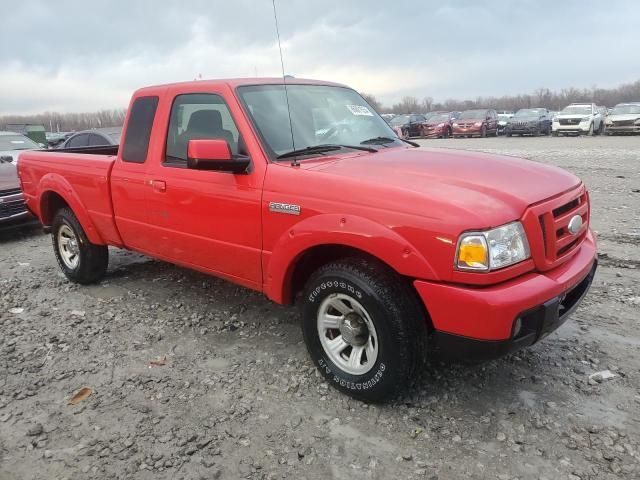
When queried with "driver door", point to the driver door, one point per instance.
{"points": [[210, 220]]}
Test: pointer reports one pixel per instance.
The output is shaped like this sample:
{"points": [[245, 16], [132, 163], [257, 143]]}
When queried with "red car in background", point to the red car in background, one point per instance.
{"points": [[480, 122], [438, 125]]}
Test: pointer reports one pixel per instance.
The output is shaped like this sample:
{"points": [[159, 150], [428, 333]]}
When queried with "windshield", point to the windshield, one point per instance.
{"points": [[439, 118], [399, 120], [577, 110], [320, 115], [528, 112], [17, 142], [625, 110], [473, 114]]}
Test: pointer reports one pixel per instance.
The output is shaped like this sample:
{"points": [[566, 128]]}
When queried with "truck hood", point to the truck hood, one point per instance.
{"points": [[624, 116], [491, 188], [8, 176], [574, 115]]}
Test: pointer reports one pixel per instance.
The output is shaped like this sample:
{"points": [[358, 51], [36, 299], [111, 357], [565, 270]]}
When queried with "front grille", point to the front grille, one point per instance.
{"points": [[466, 125], [10, 191], [623, 123], [12, 208], [558, 240], [569, 121], [520, 124]]}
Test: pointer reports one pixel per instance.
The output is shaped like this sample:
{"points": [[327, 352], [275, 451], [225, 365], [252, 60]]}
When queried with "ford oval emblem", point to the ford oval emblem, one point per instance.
{"points": [[575, 224]]}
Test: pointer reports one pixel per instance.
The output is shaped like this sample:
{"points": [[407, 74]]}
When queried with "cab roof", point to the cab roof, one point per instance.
{"points": [[236, 82]]}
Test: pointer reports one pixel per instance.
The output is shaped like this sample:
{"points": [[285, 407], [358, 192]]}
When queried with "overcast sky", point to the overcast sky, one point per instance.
{"points": [[80, 56]]}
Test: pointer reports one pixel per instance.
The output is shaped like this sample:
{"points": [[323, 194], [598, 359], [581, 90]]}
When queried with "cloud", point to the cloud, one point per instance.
{"points": [[74, 56]]}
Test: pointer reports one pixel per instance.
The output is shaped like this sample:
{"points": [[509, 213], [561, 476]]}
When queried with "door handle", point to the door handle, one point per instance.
{"points": [[159, 185]]}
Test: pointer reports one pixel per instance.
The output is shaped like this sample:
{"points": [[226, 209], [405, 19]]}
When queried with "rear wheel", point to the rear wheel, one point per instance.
{"points": [[80, 260], [363, 327]]}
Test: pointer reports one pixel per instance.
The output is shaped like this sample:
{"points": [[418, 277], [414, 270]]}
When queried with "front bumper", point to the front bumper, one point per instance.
{"points": [[578, 128], [433, 132], [527, 130], [611, 129], [474, 324], [13, 209], [460, 131]]}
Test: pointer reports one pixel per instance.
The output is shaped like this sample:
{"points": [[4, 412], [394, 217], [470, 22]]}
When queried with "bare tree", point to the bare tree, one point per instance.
{"points": [[65, 122]]}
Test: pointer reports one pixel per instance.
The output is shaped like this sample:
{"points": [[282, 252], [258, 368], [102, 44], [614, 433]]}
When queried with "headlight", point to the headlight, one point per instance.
{"points": [[440, 125], [478, 124], [455, 125], [585, 119], [637, 122], [492, 249]]}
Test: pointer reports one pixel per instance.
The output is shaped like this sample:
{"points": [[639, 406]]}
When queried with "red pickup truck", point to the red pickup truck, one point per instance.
{"points": [[303, 192]]}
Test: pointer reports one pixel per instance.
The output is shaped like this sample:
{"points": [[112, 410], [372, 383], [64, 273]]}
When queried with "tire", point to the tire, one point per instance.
{"points": [[509, 134], [591, 132], [80, 260], [554, 134], [389, 342], [536, 133], [405, 134], [447, 133], [483, 132]]}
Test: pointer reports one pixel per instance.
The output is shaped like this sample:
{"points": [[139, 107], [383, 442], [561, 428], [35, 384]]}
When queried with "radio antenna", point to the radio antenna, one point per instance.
{"points": [[295, 162]]}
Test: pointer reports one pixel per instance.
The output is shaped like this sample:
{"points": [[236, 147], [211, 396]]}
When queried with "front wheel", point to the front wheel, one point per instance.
{"points": [[590, 133], [363, 327], [483, 132], [80, 260]]}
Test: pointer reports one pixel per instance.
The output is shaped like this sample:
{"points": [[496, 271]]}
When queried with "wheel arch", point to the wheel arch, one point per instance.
{"points": [[58, 193], [316, 241]]}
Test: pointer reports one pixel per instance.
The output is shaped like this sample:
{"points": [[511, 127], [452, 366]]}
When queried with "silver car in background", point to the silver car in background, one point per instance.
{"points": [[11, 144], [623, 118]]}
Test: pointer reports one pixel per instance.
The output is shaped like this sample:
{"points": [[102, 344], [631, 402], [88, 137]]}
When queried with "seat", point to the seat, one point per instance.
{"points": [[204, 125]]}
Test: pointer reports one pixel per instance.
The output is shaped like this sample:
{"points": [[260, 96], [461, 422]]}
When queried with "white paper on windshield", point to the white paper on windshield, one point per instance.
{"points": [[359, 110], [18, 142]]}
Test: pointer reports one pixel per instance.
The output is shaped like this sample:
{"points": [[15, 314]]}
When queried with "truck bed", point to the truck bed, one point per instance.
{"points": [[83, 174]]}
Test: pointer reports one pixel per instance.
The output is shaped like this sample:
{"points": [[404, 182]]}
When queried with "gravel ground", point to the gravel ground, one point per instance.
{"points": [[192, 377]]}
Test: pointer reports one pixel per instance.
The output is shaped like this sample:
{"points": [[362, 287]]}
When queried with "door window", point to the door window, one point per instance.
{"points": [[81, 140], [198, 116], [97, 140]]}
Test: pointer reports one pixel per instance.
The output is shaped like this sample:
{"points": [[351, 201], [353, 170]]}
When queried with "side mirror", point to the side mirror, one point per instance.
{"points": [[215, 154]]}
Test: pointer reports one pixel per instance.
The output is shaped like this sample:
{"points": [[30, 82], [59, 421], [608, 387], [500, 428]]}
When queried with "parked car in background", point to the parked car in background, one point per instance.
{"points": [[410, 125], [623, 118], [472, 123], [94, 138], [438, 125], [34, 131], [579, 119], [11, 144], [12, 207], [529, 121], [54, 139], [503, 118]]}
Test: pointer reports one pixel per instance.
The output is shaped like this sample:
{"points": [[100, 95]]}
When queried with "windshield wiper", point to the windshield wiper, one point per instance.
{"points": [[327, 147], [383, 140]]}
